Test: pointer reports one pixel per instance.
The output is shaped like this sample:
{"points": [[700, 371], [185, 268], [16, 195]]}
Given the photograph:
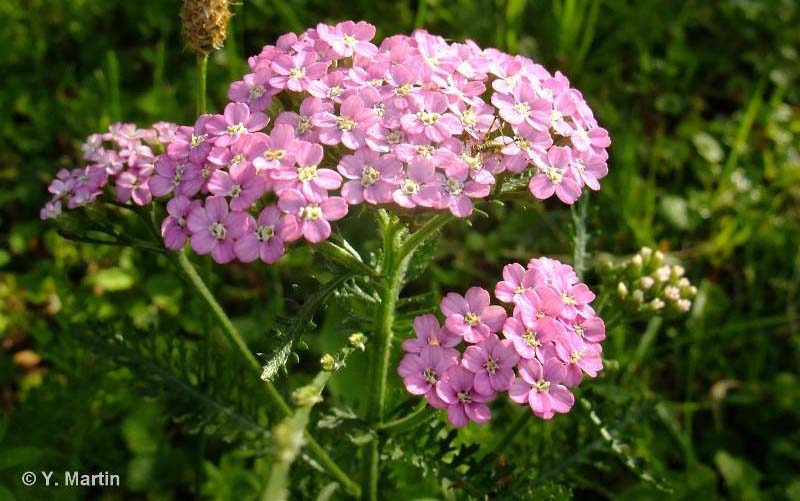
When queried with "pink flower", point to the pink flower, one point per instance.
{"points": [[253, 90], [580, 357], [303, 127], [492, 362], [235, 123], [296, 72], [416, 188], [471, 316], [532, 337], [374, 177], [540, 387], [133, 185], [349, 39], [62, 184], [540, 301], [456, 191], [349, 128], [523, 106], [170, 175], [280, 148], [556, 176], [309, 217], [214, 229], [516, 280], [574, 299], [591, 168], [428, 115], [174, 228], [243, 186], [51, 210], [266, 241], [430, 336], [422, 372], [464, 402], [589, 329], [191, 142], [307, 177]]}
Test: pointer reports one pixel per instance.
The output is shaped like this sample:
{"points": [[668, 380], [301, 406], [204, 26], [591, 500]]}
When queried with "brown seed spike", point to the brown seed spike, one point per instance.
{"points": [[205, 24]]}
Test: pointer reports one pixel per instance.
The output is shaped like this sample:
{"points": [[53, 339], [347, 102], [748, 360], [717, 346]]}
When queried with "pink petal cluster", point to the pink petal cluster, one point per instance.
{"points": [[404, 122], [412, 121], [536, 354], [125, 156]]}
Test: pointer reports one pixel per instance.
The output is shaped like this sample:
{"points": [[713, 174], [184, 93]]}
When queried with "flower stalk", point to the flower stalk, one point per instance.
{"points": [[397, 254], [233, 335]]}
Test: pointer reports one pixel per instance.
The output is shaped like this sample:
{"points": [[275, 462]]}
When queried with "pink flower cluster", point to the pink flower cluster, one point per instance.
{"points": [[414, 121], [551, 339], [125, 155]]}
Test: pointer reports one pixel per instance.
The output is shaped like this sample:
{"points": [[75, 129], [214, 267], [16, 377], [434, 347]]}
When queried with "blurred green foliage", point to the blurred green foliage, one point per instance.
{"points": [[702, 102]]}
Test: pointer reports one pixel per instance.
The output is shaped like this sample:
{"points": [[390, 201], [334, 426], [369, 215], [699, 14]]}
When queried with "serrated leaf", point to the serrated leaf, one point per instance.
{"points": [[300, 324]]}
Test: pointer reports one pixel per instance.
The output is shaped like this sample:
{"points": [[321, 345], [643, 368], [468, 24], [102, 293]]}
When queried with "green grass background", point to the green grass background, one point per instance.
{"points": [[702, 103]]}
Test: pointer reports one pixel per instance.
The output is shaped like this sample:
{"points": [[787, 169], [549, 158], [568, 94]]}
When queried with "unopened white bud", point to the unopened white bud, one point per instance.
{"points": [[684, 305], [657, 304], [638, 296], [647, 282], [672, 292], [622, 290]]}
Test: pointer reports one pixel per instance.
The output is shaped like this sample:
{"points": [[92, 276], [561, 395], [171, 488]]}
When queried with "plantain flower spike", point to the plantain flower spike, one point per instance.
{"points": [[205, 24]]}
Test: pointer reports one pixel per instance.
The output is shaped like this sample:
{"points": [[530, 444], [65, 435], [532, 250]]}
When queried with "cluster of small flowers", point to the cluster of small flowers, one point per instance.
{"points": [[414, 121], [125, 155], [645, 284], [550, 340]]}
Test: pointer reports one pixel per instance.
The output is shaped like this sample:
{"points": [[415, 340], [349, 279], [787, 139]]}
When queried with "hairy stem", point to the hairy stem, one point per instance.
{"points": [[580, 237], [273, 394], [397, 255]]}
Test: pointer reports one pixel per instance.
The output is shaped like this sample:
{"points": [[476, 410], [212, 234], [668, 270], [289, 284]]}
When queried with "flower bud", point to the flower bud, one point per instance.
{"points": [[638, 295], [647, 282], [637, 261], [672, 292], [204, 24], [306, 396], [663, 273], [657, 304], [622, 289], [646, 252], [678, 271], [328, 363], [684, 305], [357, 340]]}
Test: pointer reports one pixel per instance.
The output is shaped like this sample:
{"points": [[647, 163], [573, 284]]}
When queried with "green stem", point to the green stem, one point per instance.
{"points": [[396, 258], [274, 395], [580, 237], [202, 67], [407, 422]]}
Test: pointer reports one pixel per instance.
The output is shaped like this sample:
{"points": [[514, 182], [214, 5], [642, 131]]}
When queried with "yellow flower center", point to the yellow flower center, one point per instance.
{"points": [[274, 154], [311, 212], [471, 319], [370, 176], [345, 123], [305, 174], [428, 118]]}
